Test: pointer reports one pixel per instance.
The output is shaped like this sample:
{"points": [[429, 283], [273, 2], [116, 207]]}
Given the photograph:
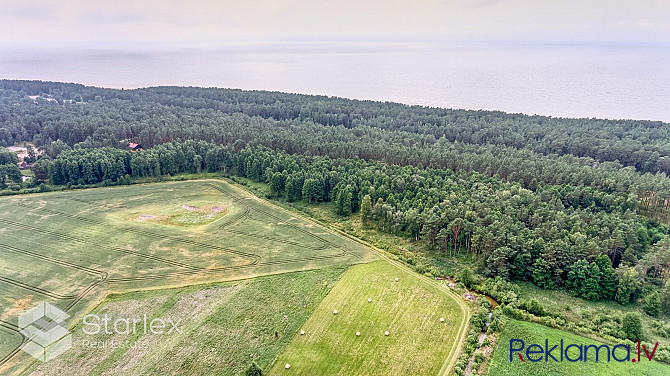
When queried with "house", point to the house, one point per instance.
{"points": [[24, 165], [134, 147]]}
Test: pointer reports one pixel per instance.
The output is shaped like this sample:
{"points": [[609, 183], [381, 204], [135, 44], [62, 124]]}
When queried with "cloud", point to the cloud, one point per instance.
{"points": [[227, 20]]}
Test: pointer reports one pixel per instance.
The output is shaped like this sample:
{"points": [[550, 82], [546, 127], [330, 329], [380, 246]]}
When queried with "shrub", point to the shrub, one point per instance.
{"points": [[253, 370], [534, 307]]}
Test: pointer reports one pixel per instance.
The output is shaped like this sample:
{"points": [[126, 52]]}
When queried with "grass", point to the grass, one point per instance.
{"points": [[225, 327], [535, 333], [410, 310], [580, 311], [74, 248]]}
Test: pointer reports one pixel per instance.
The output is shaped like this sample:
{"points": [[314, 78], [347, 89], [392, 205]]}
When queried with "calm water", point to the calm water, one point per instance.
{"points": [[611, 81]]}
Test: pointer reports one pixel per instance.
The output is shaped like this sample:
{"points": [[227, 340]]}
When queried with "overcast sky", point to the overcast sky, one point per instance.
{"points": [[242, 20]]}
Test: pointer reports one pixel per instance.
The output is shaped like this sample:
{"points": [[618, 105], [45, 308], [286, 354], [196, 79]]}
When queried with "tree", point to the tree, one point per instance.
{"points": [[497, 264], [591, 288], [542, 275], [55, 148], [366, 209], [456, 227], [520, 266], [665, 298], [430, 227], [608, 285], [631, 326], [343, 201], [652, 304], [443, 238], [7, 157], [290, 189], [629, 258], [577, 277], [629, 283], [312, 190], [32, 156], [277, 184]]}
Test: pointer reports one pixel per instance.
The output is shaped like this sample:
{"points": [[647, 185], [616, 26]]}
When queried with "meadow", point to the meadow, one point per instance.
{"points": [[410, 309], [74, 248], [536, 333]]}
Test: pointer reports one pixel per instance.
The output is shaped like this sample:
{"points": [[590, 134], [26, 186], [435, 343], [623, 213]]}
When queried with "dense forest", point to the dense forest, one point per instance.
{"points": [[576, 204]]}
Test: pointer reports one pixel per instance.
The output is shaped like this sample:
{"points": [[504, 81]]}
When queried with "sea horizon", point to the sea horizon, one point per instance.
{"points": [[611, 80]]}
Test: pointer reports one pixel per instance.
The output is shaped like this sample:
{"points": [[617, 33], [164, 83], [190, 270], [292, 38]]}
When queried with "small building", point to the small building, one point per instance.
{"points": [[134, 147], [24, 165]]}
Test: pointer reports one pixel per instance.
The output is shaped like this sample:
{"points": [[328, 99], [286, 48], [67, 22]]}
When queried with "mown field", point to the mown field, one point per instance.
{"points": [[410, 309], [535, 333], [225, 327], [73, 248]]}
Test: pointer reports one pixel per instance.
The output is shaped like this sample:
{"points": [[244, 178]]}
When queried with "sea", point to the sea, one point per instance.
{"points": [[586, 80]]}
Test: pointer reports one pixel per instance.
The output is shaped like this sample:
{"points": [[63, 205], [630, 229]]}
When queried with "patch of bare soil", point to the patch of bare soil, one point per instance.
{"points": [[144, 217], [18, 307], [189, 207], [218, 209]]}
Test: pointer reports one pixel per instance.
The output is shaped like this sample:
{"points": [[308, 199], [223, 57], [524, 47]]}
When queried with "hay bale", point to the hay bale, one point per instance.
{"points": [[335, 312], [358, 334], [386, 333], [396, 279], [369, 300], [441, 319], [302, 332], [287, 366]]}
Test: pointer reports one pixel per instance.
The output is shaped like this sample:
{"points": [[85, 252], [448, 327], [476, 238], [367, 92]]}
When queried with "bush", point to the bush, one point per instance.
{"points": [[479, 319], [500, 290], [253, 370], [467, 277], [534, 307], [511, 311]]}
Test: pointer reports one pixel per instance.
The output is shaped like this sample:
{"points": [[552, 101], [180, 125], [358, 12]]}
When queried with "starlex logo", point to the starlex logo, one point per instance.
{"points": [[46, 332], [576, 353]]}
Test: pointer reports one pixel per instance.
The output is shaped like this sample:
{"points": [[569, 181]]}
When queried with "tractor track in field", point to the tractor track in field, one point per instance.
{"points": [[146, 233], [190, 270], [81, 240]]}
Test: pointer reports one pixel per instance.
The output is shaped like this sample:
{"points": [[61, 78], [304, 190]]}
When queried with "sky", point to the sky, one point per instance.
{"points": [[212, 21]]}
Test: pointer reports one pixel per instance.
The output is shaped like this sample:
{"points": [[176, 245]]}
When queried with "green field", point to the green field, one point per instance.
{"points": [[73, 248], [226, 326], [535, 333], [409, 309], [241, 275]]}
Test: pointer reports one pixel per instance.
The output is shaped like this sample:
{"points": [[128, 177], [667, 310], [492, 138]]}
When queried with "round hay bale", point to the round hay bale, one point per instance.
{"points": [[302, 332], [386, 333], [441, 319], [287, 366], [358, 334], [396, 279], [335, 312], [369, 300]]}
